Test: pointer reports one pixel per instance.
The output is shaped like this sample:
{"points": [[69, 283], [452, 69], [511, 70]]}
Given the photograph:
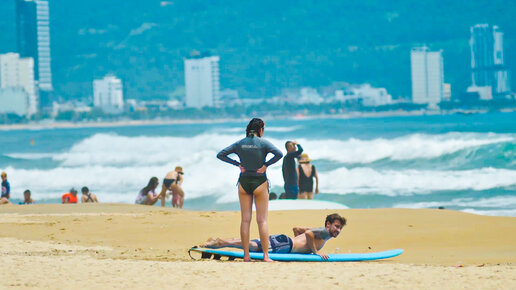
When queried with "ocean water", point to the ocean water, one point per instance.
{"points": [[462, 162]]}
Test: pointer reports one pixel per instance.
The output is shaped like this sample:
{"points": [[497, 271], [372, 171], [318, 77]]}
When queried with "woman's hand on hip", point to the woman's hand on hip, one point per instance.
{"points": [[262, 169]]}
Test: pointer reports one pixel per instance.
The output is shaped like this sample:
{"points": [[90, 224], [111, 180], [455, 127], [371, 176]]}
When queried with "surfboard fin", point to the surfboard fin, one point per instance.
{"points": [[205, 255]]}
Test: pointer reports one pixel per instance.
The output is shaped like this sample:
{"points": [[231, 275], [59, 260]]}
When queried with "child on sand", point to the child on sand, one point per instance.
{"points": [[6, 190], [26, 197]]}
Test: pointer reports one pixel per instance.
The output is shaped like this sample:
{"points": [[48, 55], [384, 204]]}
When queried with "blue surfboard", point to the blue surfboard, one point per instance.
{"points": [[294, 257]]}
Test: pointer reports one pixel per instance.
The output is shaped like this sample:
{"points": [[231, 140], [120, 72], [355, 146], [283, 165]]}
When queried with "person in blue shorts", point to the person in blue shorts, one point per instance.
{"points": [[289, 169], [306, 240], [252, 183]]}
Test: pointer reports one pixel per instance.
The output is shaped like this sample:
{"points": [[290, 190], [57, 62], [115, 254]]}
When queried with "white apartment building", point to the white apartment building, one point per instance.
{"points": [[14, 100], [427, 76], [309, 96], [372, 97], [16, 72], [202, 81], [108, 94]]}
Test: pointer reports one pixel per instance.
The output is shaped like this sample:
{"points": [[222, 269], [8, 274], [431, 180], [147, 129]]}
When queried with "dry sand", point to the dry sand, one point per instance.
{"points": [[128, 246]]}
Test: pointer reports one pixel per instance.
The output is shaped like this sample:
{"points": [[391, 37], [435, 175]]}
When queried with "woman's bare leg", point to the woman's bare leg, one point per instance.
{"points": [[162, 197], [246, 210], [229, 243], [301, 195], [181, 201], [261, 195], [310, 195]]}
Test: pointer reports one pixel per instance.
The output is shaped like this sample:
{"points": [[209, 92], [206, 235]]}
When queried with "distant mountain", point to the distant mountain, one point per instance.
{"points": [[264, 45]]}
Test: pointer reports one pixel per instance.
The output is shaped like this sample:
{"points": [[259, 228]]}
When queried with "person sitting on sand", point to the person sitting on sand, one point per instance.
{"points": [[70, 197], [173, 182], [273, 196], [305, 241], [87, 196], [26, 197], [148, 195], [6, 190]]}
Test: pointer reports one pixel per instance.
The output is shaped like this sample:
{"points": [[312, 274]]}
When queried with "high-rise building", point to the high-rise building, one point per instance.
{"points": [[202, 81], [16, 72], [427, 76], [33, 31], [487, 60], [108, 94]]}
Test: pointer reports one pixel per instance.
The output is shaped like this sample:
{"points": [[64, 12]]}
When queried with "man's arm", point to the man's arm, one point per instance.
{"points": [[299, 231], [299, 150], [310, 240]]}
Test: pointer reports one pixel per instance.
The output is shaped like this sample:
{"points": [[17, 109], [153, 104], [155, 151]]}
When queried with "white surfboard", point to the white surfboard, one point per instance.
{"points": [[299, 204]]}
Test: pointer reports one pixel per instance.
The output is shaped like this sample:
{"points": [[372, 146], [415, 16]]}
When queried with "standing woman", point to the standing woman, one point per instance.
{"points": [[252, 183], [306, 172]]}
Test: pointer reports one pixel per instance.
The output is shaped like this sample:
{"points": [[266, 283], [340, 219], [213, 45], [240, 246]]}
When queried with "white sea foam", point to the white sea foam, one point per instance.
{"points": [[115, 150], [206, 176], [491, 202], [502, 212], [407, 182], [409, 147], [116, 167]]}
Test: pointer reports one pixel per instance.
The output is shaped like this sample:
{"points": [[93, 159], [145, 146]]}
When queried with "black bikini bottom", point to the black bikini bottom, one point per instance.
{"points": [[168, 182], [251, 183]]}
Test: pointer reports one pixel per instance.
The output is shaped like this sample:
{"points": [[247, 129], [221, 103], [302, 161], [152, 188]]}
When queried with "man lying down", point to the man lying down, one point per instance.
{"points": [[305, 241]]}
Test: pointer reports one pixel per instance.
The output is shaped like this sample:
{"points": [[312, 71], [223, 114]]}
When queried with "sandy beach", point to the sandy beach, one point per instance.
{"points": [[128, 246]]}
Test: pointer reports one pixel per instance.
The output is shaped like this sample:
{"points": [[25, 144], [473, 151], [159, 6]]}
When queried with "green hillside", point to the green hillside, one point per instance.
{"points": [[264, 45]]}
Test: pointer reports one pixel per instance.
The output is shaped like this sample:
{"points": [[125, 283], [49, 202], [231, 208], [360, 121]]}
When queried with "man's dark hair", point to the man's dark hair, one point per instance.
{"points": [[26, 191], [286, 144], [254, 126], [273, 196], [333, 217], [85, 190]]}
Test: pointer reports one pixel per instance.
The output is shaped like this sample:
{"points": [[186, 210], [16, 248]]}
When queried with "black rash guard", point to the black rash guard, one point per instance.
{"points": [[252, 152]]}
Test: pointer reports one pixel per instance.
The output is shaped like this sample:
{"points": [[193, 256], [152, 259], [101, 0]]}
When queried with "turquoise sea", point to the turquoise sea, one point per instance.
{"points": [[462, 162]]}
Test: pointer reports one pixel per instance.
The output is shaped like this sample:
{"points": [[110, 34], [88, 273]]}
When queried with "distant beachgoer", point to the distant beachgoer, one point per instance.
{"points": [[148, 195], [27, 199], [6, 190], [87, 196], [305, 241], [289, 169], [306, 173], [173, 182], [273, 196], [252, 183], [6, 187], [70, 197]]}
